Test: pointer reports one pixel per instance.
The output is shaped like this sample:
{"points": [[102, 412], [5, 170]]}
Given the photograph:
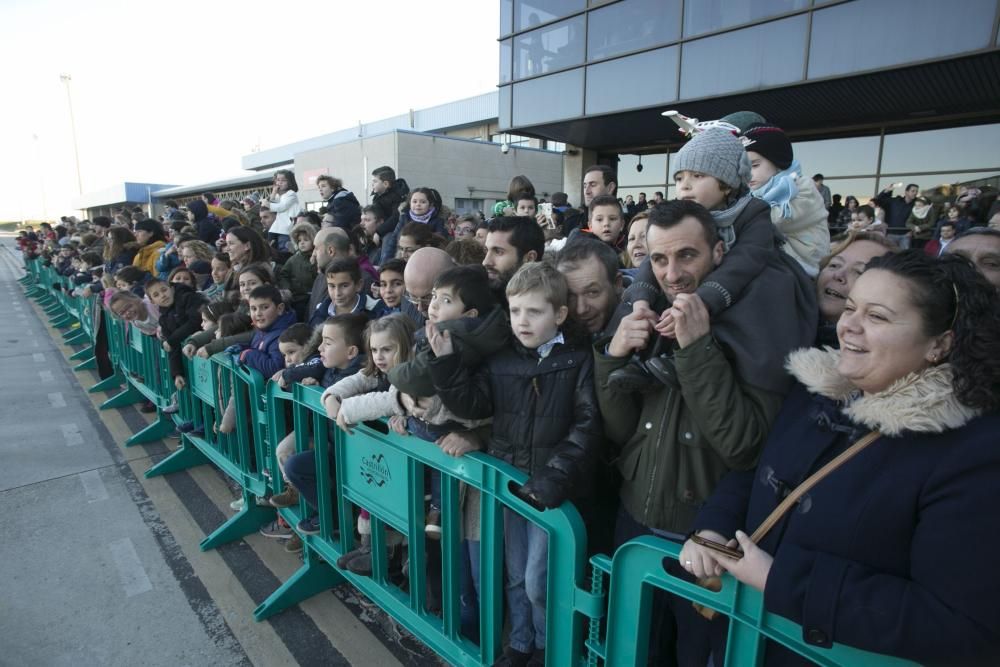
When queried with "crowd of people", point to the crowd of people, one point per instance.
{"points": [[673, 368]]}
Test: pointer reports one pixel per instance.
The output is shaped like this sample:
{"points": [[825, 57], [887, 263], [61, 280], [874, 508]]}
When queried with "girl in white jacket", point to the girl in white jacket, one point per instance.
{"points": [[797, 209]]}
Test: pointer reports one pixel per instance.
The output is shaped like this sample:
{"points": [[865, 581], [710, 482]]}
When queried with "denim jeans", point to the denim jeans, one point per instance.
{"points": [[469, 596], [431, 433], [526, 560]]}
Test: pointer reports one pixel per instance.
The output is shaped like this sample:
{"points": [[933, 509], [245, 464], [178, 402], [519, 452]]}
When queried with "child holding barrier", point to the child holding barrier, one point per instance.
{"points": [[340, 356], [540, 392]]}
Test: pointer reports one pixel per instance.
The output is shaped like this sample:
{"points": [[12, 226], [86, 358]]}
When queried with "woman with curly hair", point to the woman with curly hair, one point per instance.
{"points": [[894, 551]]}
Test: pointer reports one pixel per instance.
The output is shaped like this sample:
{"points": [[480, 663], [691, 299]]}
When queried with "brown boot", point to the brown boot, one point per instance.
{"points": [[287, 498]]}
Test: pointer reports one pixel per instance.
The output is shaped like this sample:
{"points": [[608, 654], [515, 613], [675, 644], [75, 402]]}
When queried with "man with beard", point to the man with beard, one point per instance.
{"points": [[510, 242]]}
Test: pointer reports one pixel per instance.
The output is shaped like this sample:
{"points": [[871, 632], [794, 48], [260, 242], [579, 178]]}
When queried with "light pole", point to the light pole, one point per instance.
{"points": [[66, 78]]}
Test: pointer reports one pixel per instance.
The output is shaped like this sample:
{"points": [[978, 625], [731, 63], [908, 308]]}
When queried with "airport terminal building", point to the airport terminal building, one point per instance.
{"points": [[872, 92]]}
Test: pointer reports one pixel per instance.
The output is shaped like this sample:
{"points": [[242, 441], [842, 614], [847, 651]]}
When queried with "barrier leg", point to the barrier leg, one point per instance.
{"points": [[128, 397], [81, 354], [86, 364], [248, 520], [62, 321], [155, 431], [107, 384], [188, 456], [75, 336], [312, 578]]}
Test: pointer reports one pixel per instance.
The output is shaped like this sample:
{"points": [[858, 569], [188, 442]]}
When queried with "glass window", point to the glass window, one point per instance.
{"points": [[862, 189], [870, 34], [642, 80], [506, 17], [556, 146], [654, 172], [765, 55], [701, 16], [535, 12], [503, 118], [548, 49], [938, 186], [856, 156], [631, 25], [548, 98], [974, 147], [505, 54]]}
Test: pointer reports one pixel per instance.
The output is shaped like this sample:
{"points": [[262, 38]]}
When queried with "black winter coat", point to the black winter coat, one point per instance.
{"points": [[546, 420], [388, 203], [345, 209], [179, 321]]}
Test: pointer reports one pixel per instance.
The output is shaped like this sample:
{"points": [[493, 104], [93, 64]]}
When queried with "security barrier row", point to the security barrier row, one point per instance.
{"points": [[600, 617]]}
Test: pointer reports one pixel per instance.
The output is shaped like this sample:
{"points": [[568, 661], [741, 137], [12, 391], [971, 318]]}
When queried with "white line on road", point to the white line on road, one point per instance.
{"points": [[130, 570], [39, 357], [46, 376], [71, 432], [93, 486], [57, 400]]}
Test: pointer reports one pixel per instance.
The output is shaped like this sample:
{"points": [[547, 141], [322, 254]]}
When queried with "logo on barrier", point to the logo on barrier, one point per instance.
{"points": [[375, 470]]}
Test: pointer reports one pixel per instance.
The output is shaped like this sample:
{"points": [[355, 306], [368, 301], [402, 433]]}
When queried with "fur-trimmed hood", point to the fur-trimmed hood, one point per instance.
{"points": [[922, 402]]}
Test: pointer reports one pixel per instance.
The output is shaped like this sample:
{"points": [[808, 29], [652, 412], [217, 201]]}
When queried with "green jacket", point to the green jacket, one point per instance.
{"points": [[297, 276], [674, 445]]}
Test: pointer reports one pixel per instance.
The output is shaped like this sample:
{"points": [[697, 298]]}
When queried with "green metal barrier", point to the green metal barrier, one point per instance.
{"points": [[638, 567], [242, 455], [384, 473]]}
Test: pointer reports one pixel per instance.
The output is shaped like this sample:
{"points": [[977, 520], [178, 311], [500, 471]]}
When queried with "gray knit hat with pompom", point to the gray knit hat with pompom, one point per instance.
{"points": [[716, 152]]}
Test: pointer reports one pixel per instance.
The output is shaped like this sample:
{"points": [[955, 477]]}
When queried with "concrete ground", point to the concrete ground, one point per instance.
{"points": [[100, 566]]}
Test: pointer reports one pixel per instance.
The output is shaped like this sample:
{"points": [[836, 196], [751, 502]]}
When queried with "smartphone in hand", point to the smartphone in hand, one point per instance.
{"points": [[715, 546]]}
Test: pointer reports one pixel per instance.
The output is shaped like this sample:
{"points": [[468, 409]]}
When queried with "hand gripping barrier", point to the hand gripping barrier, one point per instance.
{"points": [[384, 473], [639, 566]]}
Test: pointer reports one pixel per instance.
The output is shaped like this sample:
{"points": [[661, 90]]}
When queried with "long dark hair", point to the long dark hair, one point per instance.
{"points": [[290, 175], [258, 246], [951, 294]]}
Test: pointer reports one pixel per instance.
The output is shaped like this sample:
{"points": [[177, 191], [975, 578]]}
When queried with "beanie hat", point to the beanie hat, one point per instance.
{"points": [[253, 198], [771, 143], [200, 266], [744, 119], [715, 152], [151, 226]]}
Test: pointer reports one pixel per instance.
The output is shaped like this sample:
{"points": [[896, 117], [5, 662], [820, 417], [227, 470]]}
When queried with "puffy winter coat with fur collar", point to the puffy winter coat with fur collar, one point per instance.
{"points": [[895, 551]]}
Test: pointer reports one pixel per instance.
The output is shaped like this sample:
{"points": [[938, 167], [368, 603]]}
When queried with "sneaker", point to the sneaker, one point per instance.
{"points": [[172, 409], [512, 658], [433, 525], [294, 545], [309, 526], [236, 504], [277, 529], [287, 498], [185, 427], [147, 407]]}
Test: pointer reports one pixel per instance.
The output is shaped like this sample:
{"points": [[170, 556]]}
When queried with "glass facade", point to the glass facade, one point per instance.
{"points": [[548, 98], [725, 46], [891, 34], [850, 166], [710, 15], [548, 49], [631, 25]]}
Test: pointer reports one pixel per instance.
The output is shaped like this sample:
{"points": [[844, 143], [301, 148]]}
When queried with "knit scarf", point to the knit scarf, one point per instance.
{"points": [[425, 218], [781, 189], [725, 218]]}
